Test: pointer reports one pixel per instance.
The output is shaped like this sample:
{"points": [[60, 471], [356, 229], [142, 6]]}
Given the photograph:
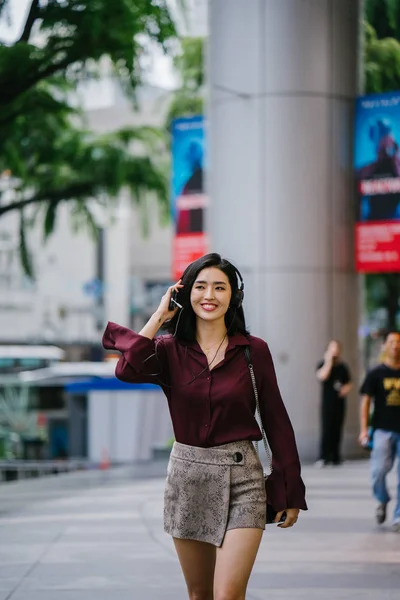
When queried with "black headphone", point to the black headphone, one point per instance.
{"points": [[237, 299]]}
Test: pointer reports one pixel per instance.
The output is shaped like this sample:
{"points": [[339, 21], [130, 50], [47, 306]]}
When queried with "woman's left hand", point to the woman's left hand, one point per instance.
{"points": [[292, 515]]}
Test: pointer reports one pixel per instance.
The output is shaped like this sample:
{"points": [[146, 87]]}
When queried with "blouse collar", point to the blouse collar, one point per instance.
{"points": [[238, 339]]}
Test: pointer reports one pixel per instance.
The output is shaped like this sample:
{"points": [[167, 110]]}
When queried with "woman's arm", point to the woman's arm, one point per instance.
{"points": [[162, 313], [152, 326], [285, 486], [143, 358]]}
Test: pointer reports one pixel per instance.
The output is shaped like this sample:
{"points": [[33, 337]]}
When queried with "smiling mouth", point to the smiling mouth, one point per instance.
{"points": [[207, 306]]}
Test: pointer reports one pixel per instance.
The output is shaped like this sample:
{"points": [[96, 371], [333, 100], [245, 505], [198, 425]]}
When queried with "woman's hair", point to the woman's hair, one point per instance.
{"points": [[183, 324]]}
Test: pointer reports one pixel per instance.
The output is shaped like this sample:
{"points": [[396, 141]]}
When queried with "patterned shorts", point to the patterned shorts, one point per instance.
{"points": [[211, 490]]}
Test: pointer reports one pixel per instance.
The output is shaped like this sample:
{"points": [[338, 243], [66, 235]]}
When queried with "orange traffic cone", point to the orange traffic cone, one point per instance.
{"points": [[105, 460]]}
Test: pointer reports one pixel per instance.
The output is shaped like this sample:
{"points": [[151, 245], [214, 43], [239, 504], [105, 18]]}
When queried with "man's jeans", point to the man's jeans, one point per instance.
{"points": [[386, 447]]}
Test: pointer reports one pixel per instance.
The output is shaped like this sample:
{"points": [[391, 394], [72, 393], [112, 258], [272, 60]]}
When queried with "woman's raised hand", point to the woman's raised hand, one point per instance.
{"points": [[163, 312]]}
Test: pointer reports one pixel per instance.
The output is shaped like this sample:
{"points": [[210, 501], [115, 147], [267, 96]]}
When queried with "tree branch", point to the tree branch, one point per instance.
{"points": [[75, 190], [32, 16], [11, 94], [52, 69]]}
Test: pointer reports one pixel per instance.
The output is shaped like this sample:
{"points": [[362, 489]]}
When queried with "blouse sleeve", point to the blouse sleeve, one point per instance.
{"points": [[142, 360], [285, 487]]}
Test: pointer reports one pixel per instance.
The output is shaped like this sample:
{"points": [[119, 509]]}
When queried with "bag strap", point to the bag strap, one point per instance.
{"points": [[264, 437]]}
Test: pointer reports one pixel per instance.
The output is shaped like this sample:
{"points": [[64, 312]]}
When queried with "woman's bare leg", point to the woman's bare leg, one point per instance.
{"points": [[234, 563], [198, 564]]}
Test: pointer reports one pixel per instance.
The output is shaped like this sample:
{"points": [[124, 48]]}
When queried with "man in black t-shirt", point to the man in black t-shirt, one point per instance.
{"points": [[382, 387], [334, 376]]}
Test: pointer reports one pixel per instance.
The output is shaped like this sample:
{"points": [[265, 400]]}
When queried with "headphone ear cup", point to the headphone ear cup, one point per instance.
{"points": [[239, 298]]}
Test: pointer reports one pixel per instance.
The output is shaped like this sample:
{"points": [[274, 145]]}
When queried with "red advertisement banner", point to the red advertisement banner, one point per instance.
{"points": [[187, 247], [378, 247]]}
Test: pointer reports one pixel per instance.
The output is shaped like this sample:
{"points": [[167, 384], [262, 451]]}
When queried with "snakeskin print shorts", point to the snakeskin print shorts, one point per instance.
{"points": [[211, 490]]}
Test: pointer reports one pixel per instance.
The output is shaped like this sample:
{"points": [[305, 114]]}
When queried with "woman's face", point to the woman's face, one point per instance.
{"points": [[211, 294]]}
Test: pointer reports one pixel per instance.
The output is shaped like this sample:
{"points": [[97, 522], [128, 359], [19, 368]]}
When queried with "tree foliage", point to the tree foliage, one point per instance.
{"points": [[188, 99], [384, 17], [52, 157], [382, 62], [382, 45]]}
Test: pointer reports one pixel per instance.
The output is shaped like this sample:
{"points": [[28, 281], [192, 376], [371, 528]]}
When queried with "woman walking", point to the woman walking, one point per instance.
{"points": [[215, 498]]}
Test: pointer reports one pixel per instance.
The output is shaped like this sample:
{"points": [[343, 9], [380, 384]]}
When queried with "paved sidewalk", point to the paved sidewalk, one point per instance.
{"points": [[104, 541]]}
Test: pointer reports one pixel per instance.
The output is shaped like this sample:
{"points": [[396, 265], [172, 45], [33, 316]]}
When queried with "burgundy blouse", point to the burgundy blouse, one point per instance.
{"points": [[210, 408]]}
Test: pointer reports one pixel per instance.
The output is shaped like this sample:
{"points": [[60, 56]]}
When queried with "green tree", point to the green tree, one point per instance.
{"points": [[383, 290], [53, 159], [382, 62], [188, 99], [384, 17]]}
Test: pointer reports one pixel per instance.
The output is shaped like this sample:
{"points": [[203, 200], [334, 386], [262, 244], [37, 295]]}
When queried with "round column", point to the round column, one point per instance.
{"points": [[282, 81]]}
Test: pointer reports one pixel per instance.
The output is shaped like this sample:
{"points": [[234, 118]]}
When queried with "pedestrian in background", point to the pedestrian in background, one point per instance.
{"points": [[382, 387], [335, 379], [215, 499]]}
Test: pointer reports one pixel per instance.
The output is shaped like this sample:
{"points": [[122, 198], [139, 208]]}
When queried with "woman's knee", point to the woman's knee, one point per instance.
{"points": [[201, 594], [229, 594]]}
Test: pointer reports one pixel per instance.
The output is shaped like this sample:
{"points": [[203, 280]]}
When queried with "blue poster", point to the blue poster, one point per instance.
{"points": [[377, 156], [188, 198], [187, 161]]}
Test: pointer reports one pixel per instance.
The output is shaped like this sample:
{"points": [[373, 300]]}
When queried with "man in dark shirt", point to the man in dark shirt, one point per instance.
{"points": [[382, 386], [334, 376]]}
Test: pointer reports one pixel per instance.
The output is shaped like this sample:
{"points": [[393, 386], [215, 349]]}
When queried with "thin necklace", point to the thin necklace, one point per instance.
{"points": [[207, 350], [216, 354]]}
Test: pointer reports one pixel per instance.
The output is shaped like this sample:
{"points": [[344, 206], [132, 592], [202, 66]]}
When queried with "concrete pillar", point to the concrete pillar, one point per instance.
{"points": [[282, 81]]}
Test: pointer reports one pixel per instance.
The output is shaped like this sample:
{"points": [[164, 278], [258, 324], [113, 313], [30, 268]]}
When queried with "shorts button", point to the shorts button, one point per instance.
{"points": [[238, 457]]}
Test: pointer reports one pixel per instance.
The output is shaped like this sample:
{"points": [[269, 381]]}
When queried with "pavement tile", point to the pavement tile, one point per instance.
{"points": [[320, 594], [14, 554], [358, 581], [8, 584], [142, 593], [105, 541], [154, 573]]}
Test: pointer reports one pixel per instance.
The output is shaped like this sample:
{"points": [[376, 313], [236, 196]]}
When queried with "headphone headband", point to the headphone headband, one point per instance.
{"points": [[237, 301], [240, 277]]}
